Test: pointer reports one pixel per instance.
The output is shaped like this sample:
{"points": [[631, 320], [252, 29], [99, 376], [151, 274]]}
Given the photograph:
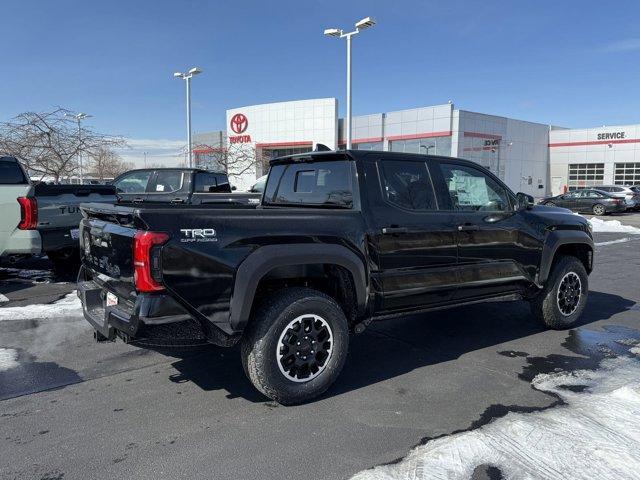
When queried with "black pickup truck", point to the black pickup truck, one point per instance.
{"points": [[186, 186], [339, 239]]}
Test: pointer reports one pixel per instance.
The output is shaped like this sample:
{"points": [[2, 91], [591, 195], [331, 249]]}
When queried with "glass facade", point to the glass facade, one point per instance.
{"points": [[583, 175], [627, 174], [368, 146], [268, 154], [430, 146]]}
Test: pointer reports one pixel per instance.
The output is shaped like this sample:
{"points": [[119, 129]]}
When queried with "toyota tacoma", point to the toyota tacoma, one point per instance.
{"points": [[339, 239]]}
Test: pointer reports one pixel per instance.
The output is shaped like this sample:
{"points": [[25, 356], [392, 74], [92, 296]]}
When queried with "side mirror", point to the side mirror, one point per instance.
{"points": [[524, 201]]}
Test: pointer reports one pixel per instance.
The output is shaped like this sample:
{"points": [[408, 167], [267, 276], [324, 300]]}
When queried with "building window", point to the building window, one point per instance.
{"points": [[368, 146], [431, 146], [583, 175], [627, 174], [268, 154]]}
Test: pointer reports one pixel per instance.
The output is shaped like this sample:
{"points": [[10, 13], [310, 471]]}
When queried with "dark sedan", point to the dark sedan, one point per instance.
{"points": [[587, 200]]}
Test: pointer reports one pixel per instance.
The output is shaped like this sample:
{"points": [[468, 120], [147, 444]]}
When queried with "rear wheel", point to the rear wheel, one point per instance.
{"points": [[564, 296], [599, 209], [296, 345]]}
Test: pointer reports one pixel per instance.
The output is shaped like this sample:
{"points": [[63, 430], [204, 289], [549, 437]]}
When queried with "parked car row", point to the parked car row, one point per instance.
{"points": [[599, 200], [42, 218]]}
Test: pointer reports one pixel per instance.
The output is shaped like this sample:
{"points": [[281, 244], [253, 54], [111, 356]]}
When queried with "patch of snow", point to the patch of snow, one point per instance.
{"points": [[635, 351], [595, 435], [3, 298], [69, 306], [621, 240], [8, 359], [612, 226]]}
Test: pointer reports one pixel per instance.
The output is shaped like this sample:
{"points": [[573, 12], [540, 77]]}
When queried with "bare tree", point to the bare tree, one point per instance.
{"points": [[236, 159], [105, 163], [48, 143]]}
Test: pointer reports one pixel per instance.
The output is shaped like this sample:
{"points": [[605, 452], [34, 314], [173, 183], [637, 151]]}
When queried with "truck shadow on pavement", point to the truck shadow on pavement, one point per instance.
{"points": [[390, 348]]}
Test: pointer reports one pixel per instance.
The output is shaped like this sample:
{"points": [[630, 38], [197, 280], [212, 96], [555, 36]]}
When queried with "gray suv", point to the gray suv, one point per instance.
{"points": [[631, 197]]}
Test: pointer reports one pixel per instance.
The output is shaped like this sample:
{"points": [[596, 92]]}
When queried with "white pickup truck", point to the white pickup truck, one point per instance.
{"points": [[40, 218]]}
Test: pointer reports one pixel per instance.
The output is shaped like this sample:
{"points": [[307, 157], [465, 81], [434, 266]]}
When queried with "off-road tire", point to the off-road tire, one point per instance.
{"points": [[262, 337], [599, 208], [545, 306]]}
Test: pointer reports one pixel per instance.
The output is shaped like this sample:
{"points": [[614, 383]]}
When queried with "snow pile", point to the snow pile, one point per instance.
{"points": [[8, 359], [613, 242], [596, 435], [69, 306], [612, 226]]}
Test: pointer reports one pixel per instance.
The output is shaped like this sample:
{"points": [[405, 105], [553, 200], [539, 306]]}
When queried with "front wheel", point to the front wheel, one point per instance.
{"points": [[296, 345], [564, 296], [599, 209]]}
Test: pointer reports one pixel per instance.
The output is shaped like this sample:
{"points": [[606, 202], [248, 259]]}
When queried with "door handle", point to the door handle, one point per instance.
{"points": [[177, 200], [138, 199], [388, 230], [468, 227]]}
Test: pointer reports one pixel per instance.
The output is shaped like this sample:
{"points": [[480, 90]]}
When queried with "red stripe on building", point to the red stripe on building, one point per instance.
{"points": [[361, 140], [420, 135], [479, 149], [595, 142], [209, 150], [482, 135], [285, 144]]}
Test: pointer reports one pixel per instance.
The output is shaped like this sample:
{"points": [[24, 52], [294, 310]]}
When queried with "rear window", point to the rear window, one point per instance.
{"points": [[10, 172], [211, 183], [314, 183]]}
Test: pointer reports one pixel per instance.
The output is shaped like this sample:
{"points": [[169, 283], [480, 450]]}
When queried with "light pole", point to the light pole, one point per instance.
{"points": [[427, 147], [187, 78], [145, 159], [79, 117], [336, 32]]}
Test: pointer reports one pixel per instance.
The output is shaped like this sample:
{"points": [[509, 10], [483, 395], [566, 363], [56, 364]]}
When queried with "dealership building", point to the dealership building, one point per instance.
{"points": [[538, 159]]}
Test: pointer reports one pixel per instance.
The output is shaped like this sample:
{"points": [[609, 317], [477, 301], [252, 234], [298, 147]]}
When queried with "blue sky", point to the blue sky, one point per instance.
{"points": [[571, 63]]}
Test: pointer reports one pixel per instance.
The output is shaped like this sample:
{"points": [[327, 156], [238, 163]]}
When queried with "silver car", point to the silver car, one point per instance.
{"points": [[631, 197]]}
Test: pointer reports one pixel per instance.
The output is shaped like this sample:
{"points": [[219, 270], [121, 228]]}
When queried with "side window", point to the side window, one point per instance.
{"points": [[407, 184], [572, 194], [314, 183], [211, 183], [472, 190], [134, 182], [167, 181]]}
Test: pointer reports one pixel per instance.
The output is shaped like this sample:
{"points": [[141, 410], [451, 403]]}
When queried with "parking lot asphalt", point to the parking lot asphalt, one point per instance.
{"points": [[74, 409]]}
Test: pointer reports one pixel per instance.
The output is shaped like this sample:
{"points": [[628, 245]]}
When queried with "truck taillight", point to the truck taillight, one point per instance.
{"points": [[147, 272], [28, 213]]}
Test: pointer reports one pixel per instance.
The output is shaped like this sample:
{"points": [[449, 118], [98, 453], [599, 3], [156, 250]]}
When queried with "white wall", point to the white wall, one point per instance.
{"points": [[515, 150], [283, 123], [571, 146]]}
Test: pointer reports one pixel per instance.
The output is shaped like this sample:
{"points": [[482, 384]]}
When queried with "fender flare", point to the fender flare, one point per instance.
{"points": [[266, 258], [555, 239]]}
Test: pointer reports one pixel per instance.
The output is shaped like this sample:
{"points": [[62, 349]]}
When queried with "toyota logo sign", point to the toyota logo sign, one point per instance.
{"points": [[239, 123]]}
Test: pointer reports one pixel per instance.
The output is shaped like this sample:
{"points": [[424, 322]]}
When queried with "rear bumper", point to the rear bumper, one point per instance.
{"points": [[153, 319], [58, 239], [617, 208], [22, 242]]}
